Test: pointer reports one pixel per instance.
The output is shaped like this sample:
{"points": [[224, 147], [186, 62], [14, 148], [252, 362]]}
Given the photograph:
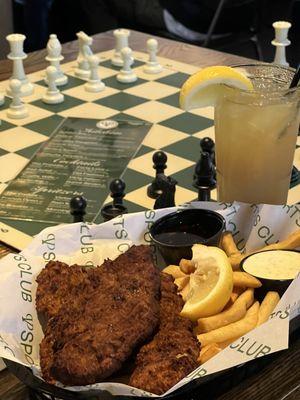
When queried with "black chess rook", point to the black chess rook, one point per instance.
{"points": [[159, 164], [117, 193], [78, 208]]}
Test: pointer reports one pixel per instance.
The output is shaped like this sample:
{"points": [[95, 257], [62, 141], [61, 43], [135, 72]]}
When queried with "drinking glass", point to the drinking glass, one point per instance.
{"points": [[255, 133]]}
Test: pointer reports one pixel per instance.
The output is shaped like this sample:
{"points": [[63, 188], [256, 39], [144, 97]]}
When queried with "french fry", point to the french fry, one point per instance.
{"points": [[290, 243], [267, 306], [241, 279], [226, 343], [231, 331], [184, 292], [232, 314], [174, 270], [187, 266], [181, 282], [228, 245], [208, 352]]}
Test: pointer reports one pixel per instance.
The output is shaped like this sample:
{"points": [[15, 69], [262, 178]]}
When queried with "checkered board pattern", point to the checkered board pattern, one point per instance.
{"points": [[153, 98]]}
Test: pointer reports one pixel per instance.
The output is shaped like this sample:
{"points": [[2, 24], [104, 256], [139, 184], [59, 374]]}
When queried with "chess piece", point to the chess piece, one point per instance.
{"points": [[159, 159], [54, 56], [204, 174], [77, 208], [17, 109], [94, 83], [207, 145], [53, 95], [281, 41], [126, 75], [295, 175], [83, 69], [121, 37], [17, 55], [110, 211], [152, 66], [167, 185]]}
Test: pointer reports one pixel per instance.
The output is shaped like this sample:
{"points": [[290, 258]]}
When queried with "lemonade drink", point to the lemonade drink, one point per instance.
{"points": [[256, 134]]}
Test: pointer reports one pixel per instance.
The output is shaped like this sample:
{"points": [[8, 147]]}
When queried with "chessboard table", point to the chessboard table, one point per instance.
{"points": [[177, 133]]}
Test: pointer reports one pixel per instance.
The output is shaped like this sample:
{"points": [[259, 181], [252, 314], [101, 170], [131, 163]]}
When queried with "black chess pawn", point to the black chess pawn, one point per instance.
{"points": [[77, 208], [204, 177], [159, 164], [208, 145], [295, 175], [117, 192], [167, 186]]}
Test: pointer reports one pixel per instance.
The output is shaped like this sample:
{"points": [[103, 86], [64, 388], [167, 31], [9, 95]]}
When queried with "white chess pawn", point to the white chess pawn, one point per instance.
{"points": [[121, 37], [94, 83], [53, 95], [126, 75], [85, 42], [54, 56], [17, 109], [17, 55], [281, 41], [152, 66]]}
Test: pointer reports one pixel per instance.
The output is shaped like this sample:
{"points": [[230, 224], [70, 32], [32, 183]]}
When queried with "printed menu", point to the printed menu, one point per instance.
{"points": [[80, 158]]}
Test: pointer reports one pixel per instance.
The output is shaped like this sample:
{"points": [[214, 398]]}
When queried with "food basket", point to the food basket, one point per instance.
{"points": [[220, 375]]}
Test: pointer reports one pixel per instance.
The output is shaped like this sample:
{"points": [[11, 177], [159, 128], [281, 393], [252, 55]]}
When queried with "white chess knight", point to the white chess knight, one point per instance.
{"points": [[126, 75], [121, 37], [94, 84], [152, 66], [281, 41], [83, 69], [52, 95], [17, 55], [17, 109], [54, 56]]}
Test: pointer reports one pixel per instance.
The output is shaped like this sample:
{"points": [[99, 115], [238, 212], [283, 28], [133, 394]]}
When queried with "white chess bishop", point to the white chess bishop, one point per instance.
{"points": [[17, 55], [54, 56], [94, 84], [52, 95], [126, 75], [152, 66], [17, 109]]}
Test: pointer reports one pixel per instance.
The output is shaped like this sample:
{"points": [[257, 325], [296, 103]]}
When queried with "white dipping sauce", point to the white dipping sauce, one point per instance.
{"points": [[273, 264]]}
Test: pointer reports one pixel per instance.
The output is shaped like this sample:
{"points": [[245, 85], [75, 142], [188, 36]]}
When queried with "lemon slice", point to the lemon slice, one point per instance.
{"points": [[204, 87], [210, 285]]}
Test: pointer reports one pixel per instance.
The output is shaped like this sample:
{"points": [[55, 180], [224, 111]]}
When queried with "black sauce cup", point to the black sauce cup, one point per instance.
{"points": [[187, 228]]}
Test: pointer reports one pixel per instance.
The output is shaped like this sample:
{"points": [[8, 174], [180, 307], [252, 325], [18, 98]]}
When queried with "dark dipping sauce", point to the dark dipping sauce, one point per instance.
{"points": [[179, 238], [174, 234]]}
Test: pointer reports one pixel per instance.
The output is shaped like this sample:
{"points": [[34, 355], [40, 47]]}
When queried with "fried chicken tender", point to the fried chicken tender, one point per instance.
{"points": [[173, 352], [97, 320]]}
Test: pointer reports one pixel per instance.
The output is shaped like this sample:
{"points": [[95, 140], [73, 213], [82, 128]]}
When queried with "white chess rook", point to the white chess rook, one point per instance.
{"points": [[83, 69], [17, 55], [53, 95], [94, 83], [121, 37], [54, 56], [281, 41], [152, 66], [17, 109], [126, 75]]}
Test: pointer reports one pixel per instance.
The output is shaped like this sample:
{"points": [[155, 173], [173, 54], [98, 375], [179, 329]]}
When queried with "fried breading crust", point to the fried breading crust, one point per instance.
{"points": [[173, 352], [99, 319]]}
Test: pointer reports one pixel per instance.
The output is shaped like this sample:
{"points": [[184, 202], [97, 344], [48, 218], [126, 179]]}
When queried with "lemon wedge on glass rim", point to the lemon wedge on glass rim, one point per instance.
{"points": [[210, 285], [203, 88]]}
